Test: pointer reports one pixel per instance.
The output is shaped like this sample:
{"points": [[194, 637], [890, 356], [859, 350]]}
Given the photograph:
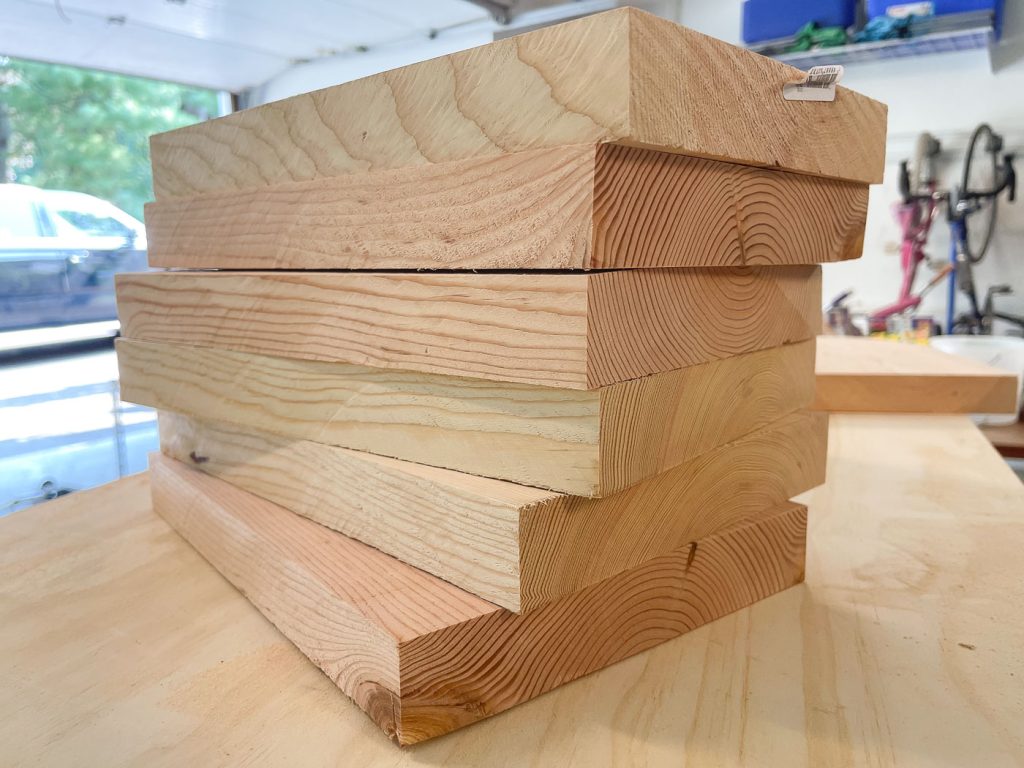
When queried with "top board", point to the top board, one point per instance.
{"points": [[623, 76]]}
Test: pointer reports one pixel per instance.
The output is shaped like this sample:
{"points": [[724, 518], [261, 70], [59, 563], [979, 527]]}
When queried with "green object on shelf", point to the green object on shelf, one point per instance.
{"points": [[884, 28], [811, 36]]}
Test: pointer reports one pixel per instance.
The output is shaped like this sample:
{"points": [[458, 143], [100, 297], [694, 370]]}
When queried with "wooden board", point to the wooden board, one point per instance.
{"points": [[513, 545], [423, 658], [575, 207], [578, 331], [621, 76], [122, 647], [868, 375], [590, 443]]}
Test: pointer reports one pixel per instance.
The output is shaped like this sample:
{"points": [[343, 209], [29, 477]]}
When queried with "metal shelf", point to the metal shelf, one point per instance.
{"points": [[858, 53]]}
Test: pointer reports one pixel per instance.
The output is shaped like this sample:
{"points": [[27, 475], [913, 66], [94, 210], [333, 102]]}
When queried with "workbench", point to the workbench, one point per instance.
{"points": [[905, 646]]}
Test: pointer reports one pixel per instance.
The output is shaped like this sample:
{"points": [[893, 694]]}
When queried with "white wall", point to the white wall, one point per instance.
{"points": [[350, 66], [946, 94], [340, 69]]}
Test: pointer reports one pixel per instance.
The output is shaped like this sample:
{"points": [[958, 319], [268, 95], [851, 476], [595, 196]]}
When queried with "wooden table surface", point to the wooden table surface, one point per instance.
{"points": [[120, 646]]}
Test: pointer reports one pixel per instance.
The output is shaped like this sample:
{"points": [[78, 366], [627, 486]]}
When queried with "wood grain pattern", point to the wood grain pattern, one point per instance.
{"points": [[513, 545], [719, 313], [423, 658], [620, 76], [590, 442], [562, 330], [888, 653], [575, 207], [676, 107], [871, 376], [654, 209]]}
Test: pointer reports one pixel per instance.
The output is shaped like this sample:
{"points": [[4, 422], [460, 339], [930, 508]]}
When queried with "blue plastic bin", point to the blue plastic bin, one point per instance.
{"points": [[772, 19], [939, 7]]}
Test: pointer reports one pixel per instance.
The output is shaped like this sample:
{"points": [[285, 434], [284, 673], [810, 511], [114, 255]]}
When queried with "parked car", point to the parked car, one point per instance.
{"points": [[58, 255]]}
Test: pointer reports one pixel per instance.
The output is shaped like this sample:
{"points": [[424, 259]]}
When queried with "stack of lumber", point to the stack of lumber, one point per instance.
{"points": [[485, 373]]}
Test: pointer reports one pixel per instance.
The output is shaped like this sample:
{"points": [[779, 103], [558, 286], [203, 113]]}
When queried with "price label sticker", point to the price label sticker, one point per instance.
{"points": [[819, 85]]}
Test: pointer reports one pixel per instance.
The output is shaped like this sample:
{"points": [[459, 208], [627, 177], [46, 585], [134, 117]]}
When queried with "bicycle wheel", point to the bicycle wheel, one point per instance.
{"points": [[979, 176]]}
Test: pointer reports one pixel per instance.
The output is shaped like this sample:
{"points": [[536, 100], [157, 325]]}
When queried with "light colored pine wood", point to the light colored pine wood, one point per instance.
{"points": [[872, 376], [513, 545], [524, 328], [587, 442], [575, 207], [620, 76], [529, 210], [561, 330], [890, 649], [422, 657]]}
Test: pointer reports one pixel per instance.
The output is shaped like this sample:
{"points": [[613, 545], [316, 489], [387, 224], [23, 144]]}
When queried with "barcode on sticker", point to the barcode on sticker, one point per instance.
{"points": [[818, 85], [822, 77]]}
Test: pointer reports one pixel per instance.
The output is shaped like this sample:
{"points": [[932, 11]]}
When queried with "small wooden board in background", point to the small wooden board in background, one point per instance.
{"points": [[859, 375], [585, 442], [515, 546], [423, 657]]}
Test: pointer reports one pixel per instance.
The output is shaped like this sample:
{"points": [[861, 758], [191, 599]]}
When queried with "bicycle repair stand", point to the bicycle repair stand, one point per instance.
{"points": [[957, 233]]}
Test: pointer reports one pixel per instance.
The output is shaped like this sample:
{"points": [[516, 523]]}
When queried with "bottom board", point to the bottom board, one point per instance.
{"points": [[423, 657]]}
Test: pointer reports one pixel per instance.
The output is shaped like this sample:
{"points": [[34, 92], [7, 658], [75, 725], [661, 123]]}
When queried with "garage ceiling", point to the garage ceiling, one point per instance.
{"points": [[227, 45]]}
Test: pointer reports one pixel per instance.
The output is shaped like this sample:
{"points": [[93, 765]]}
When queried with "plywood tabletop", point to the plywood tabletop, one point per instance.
{"points": [[121, 646], [860, 375]]}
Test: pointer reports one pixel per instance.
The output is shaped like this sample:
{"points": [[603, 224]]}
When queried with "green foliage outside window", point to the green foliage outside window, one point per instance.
{"points": [[88, 131]]}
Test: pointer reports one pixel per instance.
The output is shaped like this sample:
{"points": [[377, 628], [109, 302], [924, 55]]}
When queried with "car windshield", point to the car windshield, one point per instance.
{"points": [[93, 224], [76, 213]]}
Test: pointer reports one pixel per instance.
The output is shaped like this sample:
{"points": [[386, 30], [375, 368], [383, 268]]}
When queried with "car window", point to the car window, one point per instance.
{"points": [[97, 226], [18, 219]]}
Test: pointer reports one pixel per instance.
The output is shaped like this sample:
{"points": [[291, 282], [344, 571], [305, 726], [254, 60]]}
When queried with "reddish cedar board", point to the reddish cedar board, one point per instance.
{"points": [[423, 658]]}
